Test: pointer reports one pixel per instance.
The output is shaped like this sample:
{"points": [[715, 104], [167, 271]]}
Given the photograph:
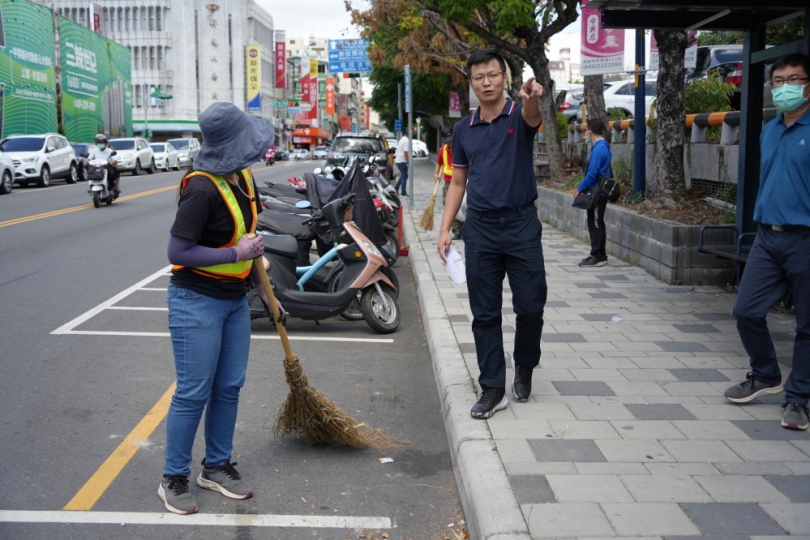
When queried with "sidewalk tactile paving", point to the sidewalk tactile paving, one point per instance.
{"points": [[626, 432]]}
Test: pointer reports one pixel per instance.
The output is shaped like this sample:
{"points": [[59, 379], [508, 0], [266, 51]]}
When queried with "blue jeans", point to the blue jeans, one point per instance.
{"points": [[403, 178], [211, 342], [497, 243], [778, 262]]}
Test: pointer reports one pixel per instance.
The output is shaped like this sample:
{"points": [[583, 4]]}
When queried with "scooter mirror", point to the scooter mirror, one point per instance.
{"points": [[327, 169], [303, 204], [317, 170]]}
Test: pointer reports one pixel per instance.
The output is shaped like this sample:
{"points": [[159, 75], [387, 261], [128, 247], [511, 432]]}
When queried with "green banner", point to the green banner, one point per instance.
{"points": [[96, 87], [28, 91]]}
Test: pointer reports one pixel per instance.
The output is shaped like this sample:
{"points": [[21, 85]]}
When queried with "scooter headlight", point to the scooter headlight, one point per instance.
{"points": [[372, 249]]}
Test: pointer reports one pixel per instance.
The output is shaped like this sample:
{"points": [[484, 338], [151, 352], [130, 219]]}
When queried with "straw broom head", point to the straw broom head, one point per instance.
{"points": [[426, 222]]}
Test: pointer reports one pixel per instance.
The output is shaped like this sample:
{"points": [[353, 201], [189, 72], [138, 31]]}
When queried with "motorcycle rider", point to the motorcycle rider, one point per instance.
{"points": [[103, 151]]}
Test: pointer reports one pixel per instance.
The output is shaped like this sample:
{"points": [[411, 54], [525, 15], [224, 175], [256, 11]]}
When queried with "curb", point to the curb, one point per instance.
{"points": [[491, 509]]}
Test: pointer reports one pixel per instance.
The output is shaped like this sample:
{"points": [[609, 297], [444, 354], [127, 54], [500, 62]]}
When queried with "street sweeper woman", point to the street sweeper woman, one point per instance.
{"points": [[211, 250]]}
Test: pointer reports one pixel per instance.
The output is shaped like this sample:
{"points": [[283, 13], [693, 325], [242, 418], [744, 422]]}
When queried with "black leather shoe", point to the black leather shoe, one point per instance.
{"points": [[522, 384], [492, 400]]}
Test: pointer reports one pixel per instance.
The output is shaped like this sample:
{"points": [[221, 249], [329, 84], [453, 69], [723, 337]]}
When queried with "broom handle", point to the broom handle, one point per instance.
{"points": [[258, 264], [435, 189]]}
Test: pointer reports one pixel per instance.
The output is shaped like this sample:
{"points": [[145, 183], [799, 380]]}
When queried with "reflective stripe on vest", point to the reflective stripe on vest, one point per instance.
{"points": [[237, 270], [447, 166]]}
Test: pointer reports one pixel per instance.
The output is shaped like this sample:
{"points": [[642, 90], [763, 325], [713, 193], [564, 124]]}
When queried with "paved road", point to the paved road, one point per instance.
{"points": [[70, 399]]}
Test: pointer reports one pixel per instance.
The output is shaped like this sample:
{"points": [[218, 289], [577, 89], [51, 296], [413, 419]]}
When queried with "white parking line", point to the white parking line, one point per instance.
{"points": [[220, 520], [68, 328]]}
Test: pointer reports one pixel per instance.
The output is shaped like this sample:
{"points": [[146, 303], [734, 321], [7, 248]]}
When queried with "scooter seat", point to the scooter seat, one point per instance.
{"points": [[283, 223], [284, 245]]}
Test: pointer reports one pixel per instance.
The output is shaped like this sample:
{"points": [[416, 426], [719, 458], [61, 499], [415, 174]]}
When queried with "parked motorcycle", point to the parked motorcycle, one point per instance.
{"points": [[362, 272], [100, 183]]}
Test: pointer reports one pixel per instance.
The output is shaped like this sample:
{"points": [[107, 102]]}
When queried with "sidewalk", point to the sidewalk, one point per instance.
{"points": [[627, 432]]}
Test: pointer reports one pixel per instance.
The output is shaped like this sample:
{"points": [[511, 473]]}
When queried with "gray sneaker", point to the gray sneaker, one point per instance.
{"points": [[796, 416], [224, 479], [176, 496], [750, 389]]}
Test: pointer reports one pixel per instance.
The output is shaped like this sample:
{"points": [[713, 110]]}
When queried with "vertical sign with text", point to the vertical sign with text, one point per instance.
{"points": [[305, 89], [330, 95], [254, 78], [281, 59], [407, 88], [455, 105], [602, 48]]}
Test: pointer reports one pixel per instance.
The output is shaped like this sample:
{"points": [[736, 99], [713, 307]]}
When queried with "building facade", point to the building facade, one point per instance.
{"points": [[194, 51]]}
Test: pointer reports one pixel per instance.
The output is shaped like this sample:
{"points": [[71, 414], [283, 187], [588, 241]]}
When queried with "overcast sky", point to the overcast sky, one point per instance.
{"points": [[320, 18]]}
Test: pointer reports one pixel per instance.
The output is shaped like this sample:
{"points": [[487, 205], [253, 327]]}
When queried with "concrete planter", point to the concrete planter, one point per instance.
{"points": [[666, 249]]}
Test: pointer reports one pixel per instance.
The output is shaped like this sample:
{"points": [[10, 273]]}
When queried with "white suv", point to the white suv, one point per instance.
{"points": [[187, 150], [38, 158], [133, 154]]}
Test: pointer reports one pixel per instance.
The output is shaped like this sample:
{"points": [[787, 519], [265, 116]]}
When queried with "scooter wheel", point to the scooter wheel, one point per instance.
{"points": [[96, 199], [353, 312], [381, 312]]}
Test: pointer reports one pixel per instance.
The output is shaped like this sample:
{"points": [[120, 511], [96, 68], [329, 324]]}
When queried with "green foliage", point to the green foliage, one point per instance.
{"points": [[719, 38], [708, 95], [562, 122], [623, 171], [430, 93], [676, 282], [574, 182], [698, 281], [617, 114], [508, 14]]}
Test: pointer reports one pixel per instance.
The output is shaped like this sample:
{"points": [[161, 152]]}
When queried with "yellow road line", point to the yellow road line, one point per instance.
{"points": [[77, 208], [110, 469]]}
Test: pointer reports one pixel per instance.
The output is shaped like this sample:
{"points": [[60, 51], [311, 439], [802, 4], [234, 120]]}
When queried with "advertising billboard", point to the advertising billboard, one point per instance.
{"points": [[254, 78], [602, 48], [96, 87], [281, 59], [27, 74]]}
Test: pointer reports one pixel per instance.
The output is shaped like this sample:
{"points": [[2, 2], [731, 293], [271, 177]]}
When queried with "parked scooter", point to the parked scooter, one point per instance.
{"points": [[99, 182], [362, 272]]}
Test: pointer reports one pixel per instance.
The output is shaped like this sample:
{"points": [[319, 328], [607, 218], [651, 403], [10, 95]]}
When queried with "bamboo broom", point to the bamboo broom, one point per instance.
{"points": [[426, 222], [306, 411]]}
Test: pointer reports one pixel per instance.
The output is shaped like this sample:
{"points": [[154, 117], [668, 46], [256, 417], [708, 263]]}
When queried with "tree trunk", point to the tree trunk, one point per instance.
{"points": [[539, 65], [515, 65], [595, 100], [671, 114]]}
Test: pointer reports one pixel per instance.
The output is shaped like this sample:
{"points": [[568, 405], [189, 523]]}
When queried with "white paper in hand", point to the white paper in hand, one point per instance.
{"points": [[455, 266]]}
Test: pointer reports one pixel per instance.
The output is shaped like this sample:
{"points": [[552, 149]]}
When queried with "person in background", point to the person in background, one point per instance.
{"points": [[598, 167], [492, 162], [211, 254], [444, 170], [779, 260], [401, 159], [103, 151]]}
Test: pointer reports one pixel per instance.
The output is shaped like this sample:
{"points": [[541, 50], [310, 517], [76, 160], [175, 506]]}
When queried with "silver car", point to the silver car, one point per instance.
{"points": [[6, 174], [187, 149]]}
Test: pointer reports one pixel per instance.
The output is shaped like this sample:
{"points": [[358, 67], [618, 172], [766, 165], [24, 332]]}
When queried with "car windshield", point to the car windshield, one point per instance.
{"points": [[79, 148], [320, 148], [360, 145], [122, 144], [724, 56], [577, 94], [158, 147], [22, 144], [180, 144]]}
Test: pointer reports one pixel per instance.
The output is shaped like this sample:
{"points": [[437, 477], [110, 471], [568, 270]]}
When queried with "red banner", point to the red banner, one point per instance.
{"points": [[346, 123], [313, 112], [330, 95], [281, 59], [313, 90], [305, 89]]}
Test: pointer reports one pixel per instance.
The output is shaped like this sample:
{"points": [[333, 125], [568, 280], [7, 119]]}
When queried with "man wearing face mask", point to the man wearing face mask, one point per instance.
{"points": [[780, 256], [105, 152]]}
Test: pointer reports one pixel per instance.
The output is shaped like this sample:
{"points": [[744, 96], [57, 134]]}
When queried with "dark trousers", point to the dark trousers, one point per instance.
{"points": [[778, 262], [596, 229], [498, 243], [403, 178]]}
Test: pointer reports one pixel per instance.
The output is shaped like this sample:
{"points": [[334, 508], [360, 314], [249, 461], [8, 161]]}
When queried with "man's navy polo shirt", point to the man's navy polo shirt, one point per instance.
{"points": [[499, 156], [784, 194]]}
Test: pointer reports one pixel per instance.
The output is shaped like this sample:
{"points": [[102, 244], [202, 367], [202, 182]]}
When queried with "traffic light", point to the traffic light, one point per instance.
{"points": [[351, 75]]}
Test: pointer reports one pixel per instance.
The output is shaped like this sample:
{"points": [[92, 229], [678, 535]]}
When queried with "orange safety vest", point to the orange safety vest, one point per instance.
{"points": [[447, 167], [228, 271]]}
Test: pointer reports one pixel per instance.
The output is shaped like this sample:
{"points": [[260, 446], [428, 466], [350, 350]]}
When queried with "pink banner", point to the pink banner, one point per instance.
{"points": [[602, 49], [313, 89], [281, 59], [653, 62], [305, 89], [455, 105]]}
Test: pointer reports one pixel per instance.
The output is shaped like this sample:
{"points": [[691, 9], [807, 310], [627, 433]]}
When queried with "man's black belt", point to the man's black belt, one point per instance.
{"points": [[504, 211], [787, 228]]}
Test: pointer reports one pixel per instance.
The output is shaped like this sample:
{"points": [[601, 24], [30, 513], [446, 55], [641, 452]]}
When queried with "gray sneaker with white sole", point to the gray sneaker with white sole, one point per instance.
{"points": [[796, 416], [224, 479], [751, 389], [173, 490]]}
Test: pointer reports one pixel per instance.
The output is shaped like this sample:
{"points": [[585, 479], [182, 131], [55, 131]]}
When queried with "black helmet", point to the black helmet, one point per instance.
{"points": [[100, 138], [447, 134]]}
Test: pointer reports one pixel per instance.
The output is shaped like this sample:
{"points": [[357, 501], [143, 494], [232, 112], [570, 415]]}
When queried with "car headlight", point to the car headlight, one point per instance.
{"points": [[31, 159], [126, 156]]}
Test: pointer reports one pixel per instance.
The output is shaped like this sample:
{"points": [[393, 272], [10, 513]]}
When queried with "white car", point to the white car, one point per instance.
{"points": [[6, 174], [39, 158], [187, 149], [420, 149], [302, 154], [133, 154], [166, 156], [320, 152], [621, 95]]}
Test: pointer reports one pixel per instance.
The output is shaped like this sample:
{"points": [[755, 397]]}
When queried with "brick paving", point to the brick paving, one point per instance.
{"points": [[627, 432]]}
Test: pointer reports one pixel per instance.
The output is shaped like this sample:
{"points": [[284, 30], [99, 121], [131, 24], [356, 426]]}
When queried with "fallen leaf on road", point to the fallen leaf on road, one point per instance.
{"points": [[304, 500]]}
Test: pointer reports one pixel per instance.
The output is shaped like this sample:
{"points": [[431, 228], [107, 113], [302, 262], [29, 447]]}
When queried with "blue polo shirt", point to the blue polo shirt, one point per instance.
{"points": [[499, 156], [784, 192]]}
